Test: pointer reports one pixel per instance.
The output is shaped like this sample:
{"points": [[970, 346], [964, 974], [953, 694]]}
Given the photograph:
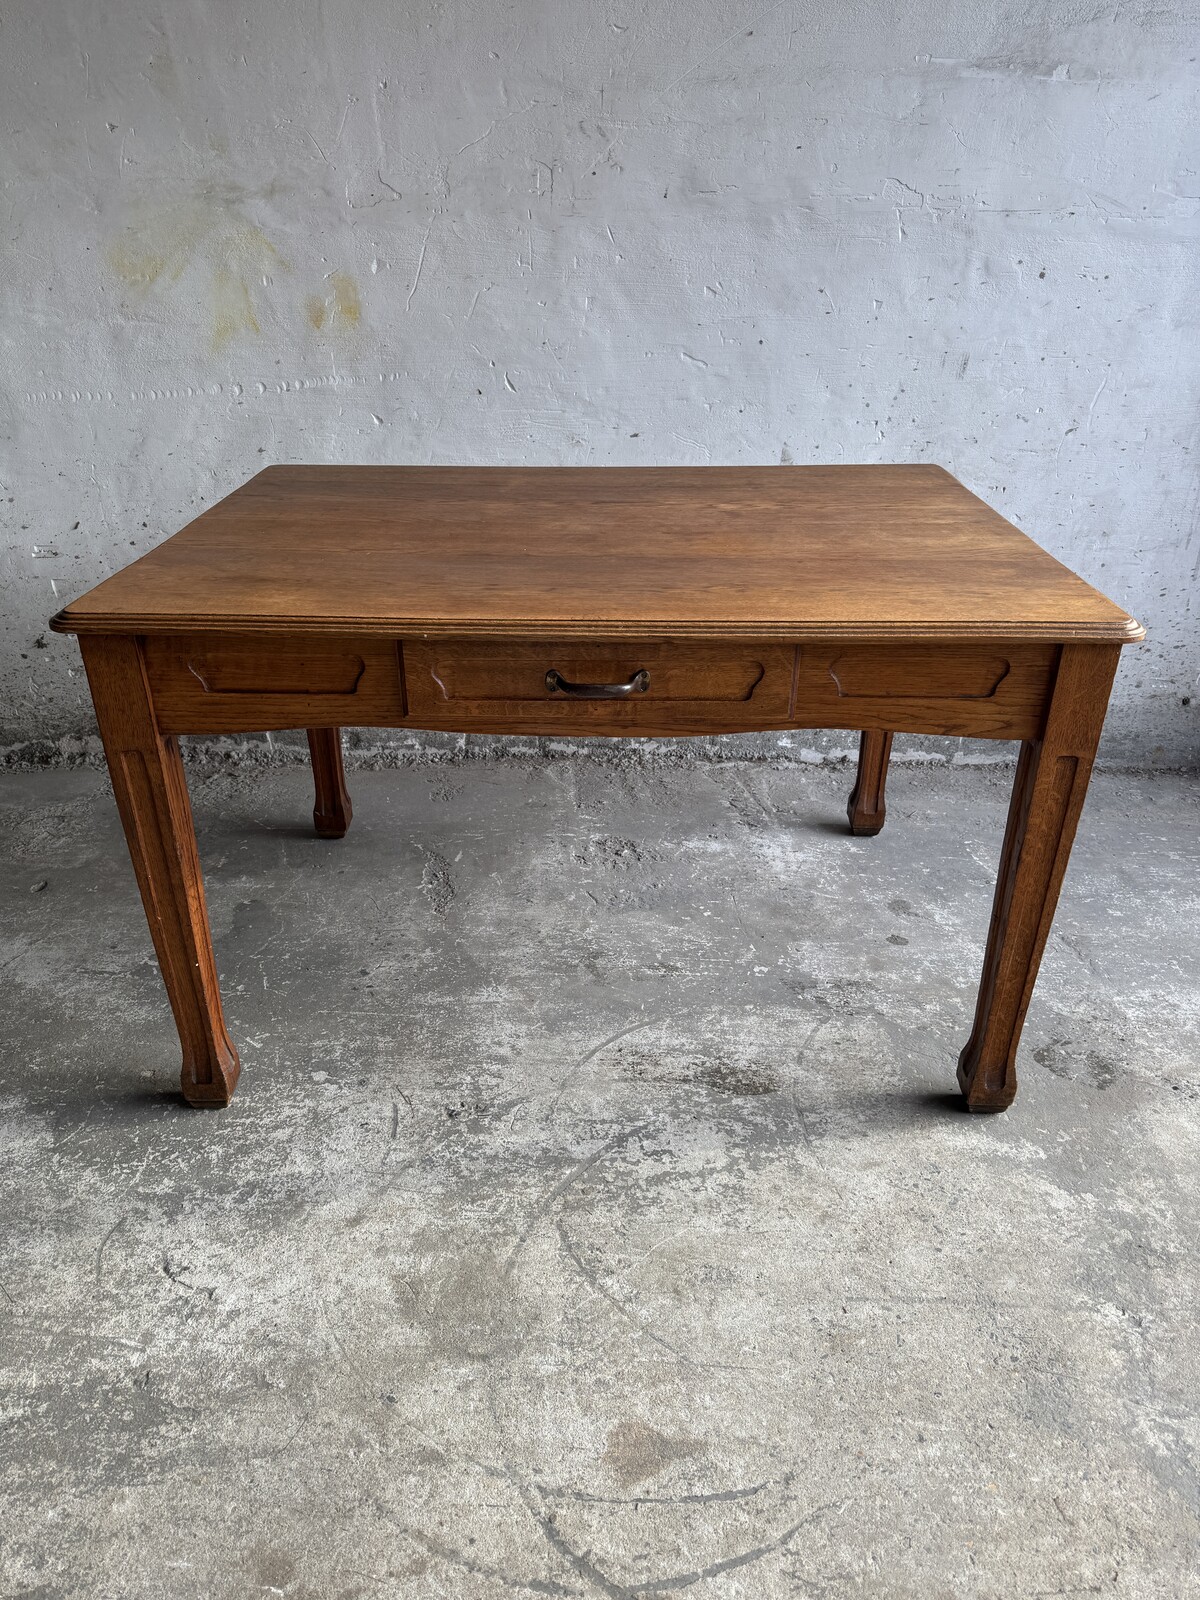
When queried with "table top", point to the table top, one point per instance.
{"points": [[618, 552]]}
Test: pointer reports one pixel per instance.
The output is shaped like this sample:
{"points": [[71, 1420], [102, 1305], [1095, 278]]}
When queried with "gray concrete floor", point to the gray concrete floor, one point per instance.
{"points": [[595, 1216]]}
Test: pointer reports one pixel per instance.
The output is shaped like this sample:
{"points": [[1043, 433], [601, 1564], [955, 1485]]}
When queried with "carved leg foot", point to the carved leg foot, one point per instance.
{"points": [[1048, 794], [151, 793], [866, 809], [332, 812]]}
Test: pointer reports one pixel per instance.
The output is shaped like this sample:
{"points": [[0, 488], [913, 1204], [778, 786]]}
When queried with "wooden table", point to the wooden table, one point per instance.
{"points": [[612, 601]]}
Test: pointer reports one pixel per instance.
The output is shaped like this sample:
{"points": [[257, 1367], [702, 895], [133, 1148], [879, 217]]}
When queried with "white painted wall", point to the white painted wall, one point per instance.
{"points": [[823, 230]]}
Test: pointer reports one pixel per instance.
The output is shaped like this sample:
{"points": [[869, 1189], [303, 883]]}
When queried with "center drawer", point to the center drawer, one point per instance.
{"points": [[584, 686]]}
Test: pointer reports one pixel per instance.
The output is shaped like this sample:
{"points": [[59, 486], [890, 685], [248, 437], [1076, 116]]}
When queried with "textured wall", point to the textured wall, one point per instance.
{"points": [[639, 232]]}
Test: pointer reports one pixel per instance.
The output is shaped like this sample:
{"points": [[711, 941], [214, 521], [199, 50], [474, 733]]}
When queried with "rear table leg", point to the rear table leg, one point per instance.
{"points": [[332, 811], [866, 809]]}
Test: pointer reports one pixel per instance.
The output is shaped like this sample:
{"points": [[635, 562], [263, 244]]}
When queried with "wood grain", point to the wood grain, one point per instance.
{"points": [[152, 798], [560, 552]]}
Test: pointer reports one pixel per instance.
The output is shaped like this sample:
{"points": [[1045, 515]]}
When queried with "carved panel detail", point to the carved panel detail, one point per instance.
{"points": [[269, 672], [937, 673]]}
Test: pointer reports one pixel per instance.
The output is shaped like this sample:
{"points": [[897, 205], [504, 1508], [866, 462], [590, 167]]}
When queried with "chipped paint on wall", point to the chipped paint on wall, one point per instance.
{"points": [[691, 234]]}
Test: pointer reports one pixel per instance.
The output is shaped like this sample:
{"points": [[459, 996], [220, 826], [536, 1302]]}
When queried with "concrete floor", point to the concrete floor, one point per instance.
{"points": [[595, 1216]]}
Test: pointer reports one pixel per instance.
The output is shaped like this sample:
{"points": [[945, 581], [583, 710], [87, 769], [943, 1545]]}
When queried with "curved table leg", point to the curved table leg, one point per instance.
{"points": [[1048, 794], [151, 793], [332, 812], [866, 809]]}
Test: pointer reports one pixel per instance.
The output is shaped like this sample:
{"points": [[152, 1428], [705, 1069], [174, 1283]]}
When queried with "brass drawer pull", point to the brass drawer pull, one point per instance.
{"points": [[638, 684]]}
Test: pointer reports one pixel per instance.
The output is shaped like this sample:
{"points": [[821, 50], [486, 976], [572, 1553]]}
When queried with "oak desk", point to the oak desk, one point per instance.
{"points": [[615, 601]]}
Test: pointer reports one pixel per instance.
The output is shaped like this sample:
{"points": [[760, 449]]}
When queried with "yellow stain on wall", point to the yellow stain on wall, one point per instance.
{"points": [[139, 268], [233, 312], [205, 238], [143, 255], [339, 307]]}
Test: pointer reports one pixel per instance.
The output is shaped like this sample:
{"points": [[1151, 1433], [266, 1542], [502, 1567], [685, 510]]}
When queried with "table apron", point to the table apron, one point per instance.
{"points": [[241, 683]]}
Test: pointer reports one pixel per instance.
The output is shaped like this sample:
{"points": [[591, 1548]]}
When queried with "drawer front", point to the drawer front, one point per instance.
{"points": [[982, 691], [600, 688], [229, 683]]}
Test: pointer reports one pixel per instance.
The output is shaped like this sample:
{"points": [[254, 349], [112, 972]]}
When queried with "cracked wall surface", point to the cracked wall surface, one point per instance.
{"points": [[606, 234]]}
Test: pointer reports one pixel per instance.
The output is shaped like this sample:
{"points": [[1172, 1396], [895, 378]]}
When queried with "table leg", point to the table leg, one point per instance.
{"points": [[151, 793], [1048, 794], [333, 811], [866, 809]]}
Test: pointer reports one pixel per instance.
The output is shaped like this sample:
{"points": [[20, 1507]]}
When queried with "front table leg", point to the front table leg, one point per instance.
{"points": [[151, 793], [1048, 794]]}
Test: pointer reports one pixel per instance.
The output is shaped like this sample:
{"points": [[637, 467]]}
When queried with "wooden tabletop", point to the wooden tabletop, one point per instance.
{"points": [[763, 552]]}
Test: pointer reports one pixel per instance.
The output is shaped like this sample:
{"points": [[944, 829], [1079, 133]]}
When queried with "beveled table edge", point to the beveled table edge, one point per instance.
{"points": [[534, 628]]}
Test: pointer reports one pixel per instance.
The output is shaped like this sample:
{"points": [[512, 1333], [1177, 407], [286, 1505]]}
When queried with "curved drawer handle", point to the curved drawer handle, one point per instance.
{"points": [[638, 684]]}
